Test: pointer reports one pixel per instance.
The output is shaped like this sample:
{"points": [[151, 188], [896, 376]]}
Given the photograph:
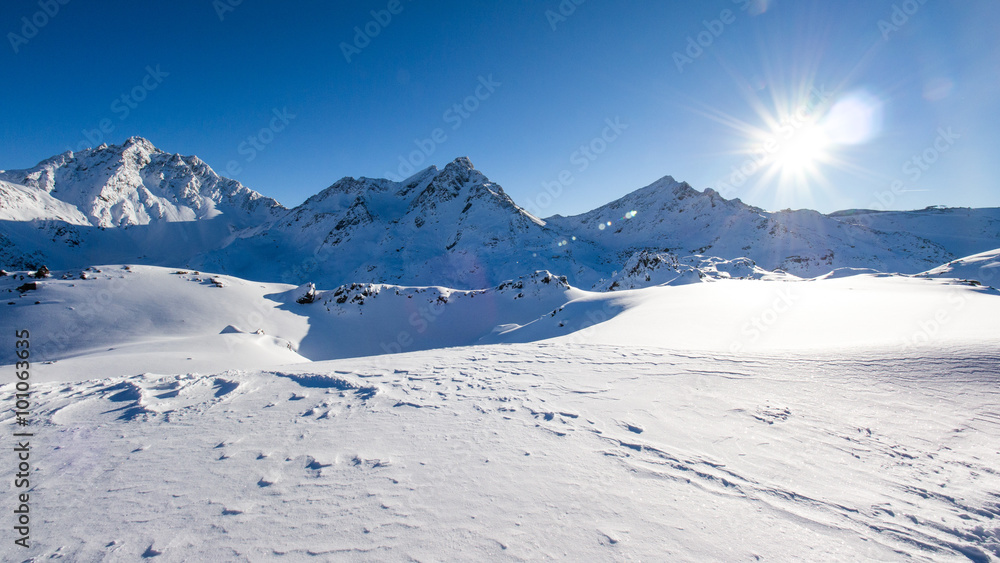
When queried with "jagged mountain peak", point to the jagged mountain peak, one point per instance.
{"points": [[391, 200], [663, 198], [449, 183], [667, 180], [139, 143], [136, 153], [667, 188], [421, 175], [460, 172], [462, 162], [135, 183]]}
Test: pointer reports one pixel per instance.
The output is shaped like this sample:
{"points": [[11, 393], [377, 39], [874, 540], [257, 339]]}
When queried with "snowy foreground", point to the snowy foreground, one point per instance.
{"points": [[841, 419]]}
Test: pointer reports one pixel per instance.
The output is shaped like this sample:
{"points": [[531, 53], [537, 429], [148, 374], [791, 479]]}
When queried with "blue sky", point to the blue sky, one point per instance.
{"points": [[824, 105]]}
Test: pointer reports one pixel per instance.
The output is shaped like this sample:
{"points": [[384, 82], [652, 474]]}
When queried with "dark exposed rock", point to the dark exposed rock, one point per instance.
{"points": [[309, 296]]}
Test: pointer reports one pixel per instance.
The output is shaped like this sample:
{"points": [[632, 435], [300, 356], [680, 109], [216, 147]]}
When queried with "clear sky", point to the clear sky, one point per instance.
{"points": [[566, 104]]}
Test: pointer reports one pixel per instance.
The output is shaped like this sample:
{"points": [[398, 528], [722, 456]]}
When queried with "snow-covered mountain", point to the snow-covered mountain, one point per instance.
{"points": [[450, 226], [457, 228], [133, 203], [962, 231], [672, 216], [730, 414], [137, 184]]}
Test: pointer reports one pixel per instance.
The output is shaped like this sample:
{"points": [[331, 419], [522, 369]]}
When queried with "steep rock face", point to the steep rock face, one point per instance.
{"points": [[128, 202], [137, 184]]}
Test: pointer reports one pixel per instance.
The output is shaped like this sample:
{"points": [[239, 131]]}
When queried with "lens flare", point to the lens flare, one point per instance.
{"points": [[854, 119]]}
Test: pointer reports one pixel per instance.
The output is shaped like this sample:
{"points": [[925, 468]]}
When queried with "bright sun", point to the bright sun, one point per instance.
{"points": [[803, 150], [802, 135]]}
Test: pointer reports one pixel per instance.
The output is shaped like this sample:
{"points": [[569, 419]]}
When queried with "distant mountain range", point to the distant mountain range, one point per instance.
{"points": [[133, 203]]}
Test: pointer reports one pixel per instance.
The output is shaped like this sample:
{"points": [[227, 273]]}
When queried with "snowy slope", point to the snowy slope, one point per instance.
{"points": [[184, 320], [373, 319], [983, 268], [181, 415], [869, 311], [22, 203], [962, 231], [144, 318], [141, 318], [577, 452]]}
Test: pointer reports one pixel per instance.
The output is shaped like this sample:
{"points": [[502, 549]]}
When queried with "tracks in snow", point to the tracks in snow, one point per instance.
{"points": [[482, 446]]}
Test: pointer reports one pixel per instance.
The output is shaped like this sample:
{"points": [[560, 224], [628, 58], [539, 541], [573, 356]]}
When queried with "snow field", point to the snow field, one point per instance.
{"points": [[528, 451]]}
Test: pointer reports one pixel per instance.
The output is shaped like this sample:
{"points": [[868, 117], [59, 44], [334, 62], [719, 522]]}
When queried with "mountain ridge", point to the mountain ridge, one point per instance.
{"points": [[441, 226]]}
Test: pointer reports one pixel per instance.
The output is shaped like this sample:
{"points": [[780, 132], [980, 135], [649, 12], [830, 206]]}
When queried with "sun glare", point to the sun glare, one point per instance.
{"points": [[803, 151], [800, 138]]}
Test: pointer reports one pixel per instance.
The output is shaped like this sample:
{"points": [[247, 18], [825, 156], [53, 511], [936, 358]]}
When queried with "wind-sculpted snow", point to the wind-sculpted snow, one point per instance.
{"points": [[535, 451], [982, 268], [191, 415], [131, 319]]}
